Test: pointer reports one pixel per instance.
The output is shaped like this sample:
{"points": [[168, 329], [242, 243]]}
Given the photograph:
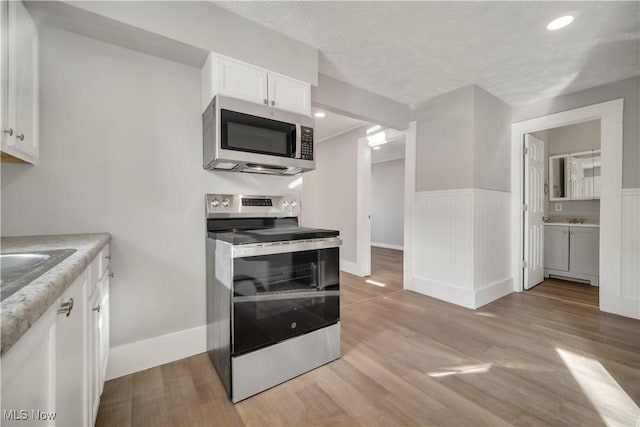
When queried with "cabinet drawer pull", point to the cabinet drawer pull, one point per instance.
{"points": [[265, 101], [20, 137], [111, 275], [9, 131], [66, 307], [273, 102], [96, 308], [107, 257]]}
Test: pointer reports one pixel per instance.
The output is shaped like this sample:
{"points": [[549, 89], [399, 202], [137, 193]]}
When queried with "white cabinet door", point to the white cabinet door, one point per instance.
{"points": [[556, 247], [289, 94], [25, 80], [242, 81], [28, 376], [71, 357], [584, 250]]}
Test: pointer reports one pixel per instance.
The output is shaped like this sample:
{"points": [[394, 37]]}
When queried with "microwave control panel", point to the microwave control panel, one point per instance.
{"points": [[306, 147]]}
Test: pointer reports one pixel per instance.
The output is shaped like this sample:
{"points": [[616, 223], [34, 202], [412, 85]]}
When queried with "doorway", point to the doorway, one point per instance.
{"points": [[612, 297], [394, 144], [561, 212], [387, 204]]}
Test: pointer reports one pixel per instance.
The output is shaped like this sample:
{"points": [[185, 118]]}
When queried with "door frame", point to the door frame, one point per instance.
{"points": [[610, 115], [363, 203]]}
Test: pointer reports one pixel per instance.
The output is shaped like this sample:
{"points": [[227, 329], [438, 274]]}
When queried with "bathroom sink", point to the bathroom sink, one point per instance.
{"points": [[19, 269]]}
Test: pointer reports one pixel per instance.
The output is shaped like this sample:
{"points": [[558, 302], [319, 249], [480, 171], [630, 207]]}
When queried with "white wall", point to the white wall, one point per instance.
{"points": [[121, 152], [387, 204], [444, 141], [329, 192]]}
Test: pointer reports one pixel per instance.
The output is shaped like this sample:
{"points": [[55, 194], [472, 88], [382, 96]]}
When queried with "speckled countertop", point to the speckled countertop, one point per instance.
{"points": [[22, 309]]}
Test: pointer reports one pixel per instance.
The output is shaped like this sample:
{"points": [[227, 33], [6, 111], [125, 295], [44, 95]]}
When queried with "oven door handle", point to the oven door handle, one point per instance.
{"points": [[257, 249], [284, 296]]}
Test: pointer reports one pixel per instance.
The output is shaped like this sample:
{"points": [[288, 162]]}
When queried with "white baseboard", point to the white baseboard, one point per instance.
{"points": [[387, 246], [140, 355], [443, 291], [493, 292], [350, 267]]}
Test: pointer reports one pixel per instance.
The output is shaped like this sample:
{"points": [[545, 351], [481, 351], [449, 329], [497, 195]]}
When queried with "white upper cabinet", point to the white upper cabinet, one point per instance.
{"points": [[235, 79], [289, 94], [20, 83], [242, 81]]}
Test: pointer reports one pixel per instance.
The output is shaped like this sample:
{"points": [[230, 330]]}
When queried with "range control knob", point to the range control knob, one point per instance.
{"points": [[286, 204], [215, 203], [225, 203], [294, 204]]}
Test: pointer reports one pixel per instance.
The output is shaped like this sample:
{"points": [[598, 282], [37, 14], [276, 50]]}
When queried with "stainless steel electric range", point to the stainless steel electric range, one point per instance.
{"points": [[273, 292]]}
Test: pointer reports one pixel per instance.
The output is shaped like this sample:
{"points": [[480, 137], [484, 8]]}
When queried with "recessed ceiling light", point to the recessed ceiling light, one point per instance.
{"points": [[377, 147], [561, 22], [319, 114]]}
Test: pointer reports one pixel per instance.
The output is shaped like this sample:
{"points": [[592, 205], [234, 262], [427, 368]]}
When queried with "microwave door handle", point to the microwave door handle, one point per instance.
{"points": [[298, 141]]}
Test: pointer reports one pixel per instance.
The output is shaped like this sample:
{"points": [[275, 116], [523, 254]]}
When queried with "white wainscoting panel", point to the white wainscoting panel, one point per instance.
{"points": [[461, 246], [492, 244], [630, 286]]}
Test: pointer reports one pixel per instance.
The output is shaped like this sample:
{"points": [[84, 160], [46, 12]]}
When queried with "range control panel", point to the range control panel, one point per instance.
{"points": [[306, 145], [241, 205]]}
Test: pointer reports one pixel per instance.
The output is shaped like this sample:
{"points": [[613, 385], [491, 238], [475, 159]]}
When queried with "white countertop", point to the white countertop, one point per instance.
{"points": [[567, 224]]}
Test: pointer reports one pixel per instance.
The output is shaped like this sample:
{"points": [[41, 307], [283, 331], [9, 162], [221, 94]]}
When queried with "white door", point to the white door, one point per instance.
{"points": [[533, 212]]}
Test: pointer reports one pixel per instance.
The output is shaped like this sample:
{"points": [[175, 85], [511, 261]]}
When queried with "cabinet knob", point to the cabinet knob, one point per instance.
{"points": [[564, 231], [273, 102], [20, 137], [66, 307], [573, 232], [96, 308], [265, 101], [107, 257], [9, 131], [111, 275]]}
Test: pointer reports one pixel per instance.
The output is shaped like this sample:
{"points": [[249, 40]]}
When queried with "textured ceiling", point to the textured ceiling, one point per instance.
{"points": [[413, 51]]}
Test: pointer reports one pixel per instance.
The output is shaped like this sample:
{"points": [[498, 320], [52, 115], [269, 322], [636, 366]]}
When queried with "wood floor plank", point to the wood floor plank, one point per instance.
{"points": [[537, 358]]}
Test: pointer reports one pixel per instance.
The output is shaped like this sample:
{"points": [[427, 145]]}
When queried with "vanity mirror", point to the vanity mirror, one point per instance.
{"points": [[574, 176]]}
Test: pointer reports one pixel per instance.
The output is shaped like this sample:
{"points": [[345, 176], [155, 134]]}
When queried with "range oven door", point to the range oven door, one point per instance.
{"points": [[283, 290]]}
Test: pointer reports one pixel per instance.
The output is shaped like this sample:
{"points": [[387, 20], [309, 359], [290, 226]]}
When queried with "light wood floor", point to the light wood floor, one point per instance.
{"points": [[568, 291], [408, 359]]}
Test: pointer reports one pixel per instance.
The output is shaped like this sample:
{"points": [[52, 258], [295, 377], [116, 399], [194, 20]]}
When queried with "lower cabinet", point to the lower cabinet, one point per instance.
{"points": [[572, 252], [54, 375]]}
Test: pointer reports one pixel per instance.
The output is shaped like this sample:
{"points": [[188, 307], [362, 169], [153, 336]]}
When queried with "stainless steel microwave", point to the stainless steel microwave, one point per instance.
{"points": [[240, 136]]}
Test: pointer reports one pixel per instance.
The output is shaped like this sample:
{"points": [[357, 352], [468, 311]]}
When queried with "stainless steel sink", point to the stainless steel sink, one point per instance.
{"points": [[19, 269]]}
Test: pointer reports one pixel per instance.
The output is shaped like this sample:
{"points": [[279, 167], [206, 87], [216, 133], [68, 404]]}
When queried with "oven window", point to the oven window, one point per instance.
{"points": [[244, 132], [279, 296]]}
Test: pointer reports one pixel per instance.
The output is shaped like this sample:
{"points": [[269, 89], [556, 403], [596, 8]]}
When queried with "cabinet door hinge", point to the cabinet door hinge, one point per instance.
{"points": [[523, 264], [525, 150]]}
